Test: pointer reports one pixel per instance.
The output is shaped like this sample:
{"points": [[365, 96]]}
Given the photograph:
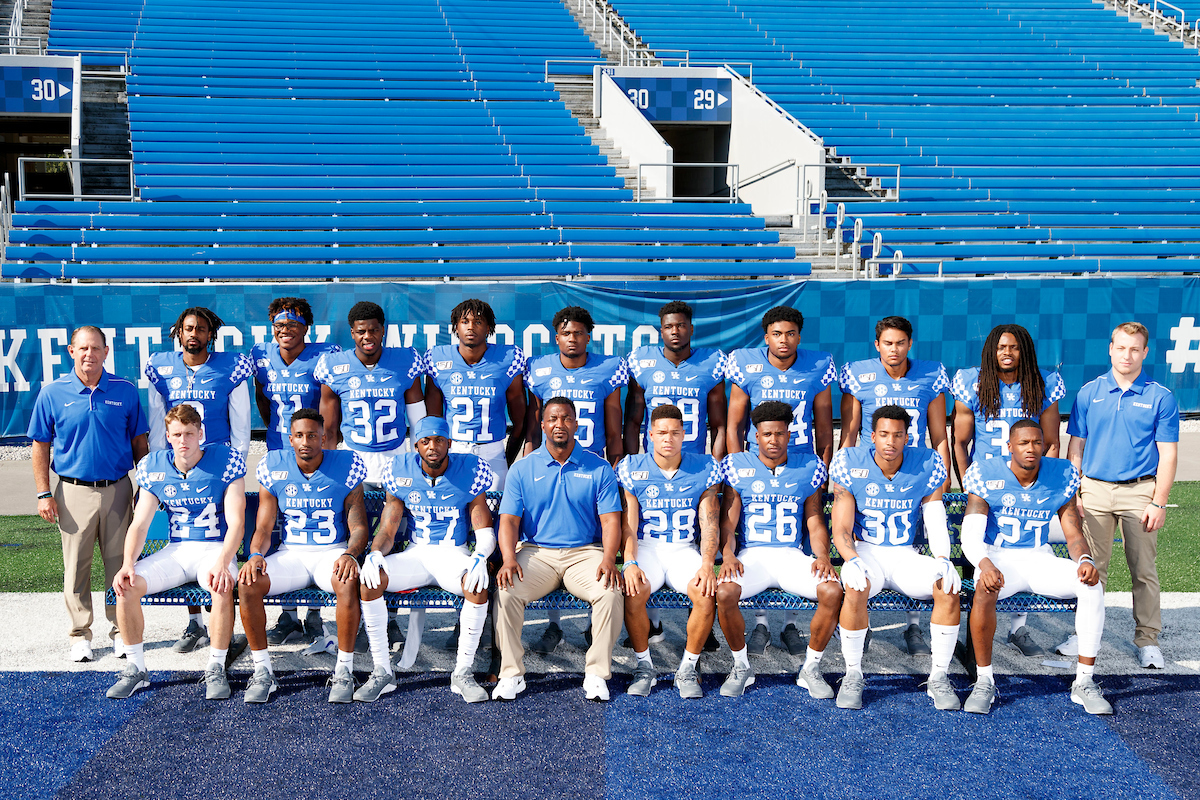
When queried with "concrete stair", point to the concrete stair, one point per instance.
{"points": [[105, 134], [576, 93]]}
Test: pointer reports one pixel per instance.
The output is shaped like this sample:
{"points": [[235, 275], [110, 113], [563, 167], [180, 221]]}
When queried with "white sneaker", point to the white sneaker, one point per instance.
{"points": [[509, 688], [1070, 647], [595, 688], [1150, 656], [118, 646], [81, 651]]}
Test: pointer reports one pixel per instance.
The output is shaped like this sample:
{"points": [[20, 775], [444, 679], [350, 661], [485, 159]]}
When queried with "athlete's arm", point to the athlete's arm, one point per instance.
{"points": [[264, 523], [510, 571], [987, 577], [935, 421], [635, 412], [1154, 517], [613, 446], [479, 513], [631, 519], [435, 401], [156, 415], [263, 402], [818, 535], [964, 437], [235, 525], [842, 519], [1077, 544], [239, 418], [610, 533], [717, 420], [1050, 422], [731, 514], [533, 424], [140, 446], [822, 409], [331, 411], [135, 540], [710, 537], [851, 421], [514, 396], [735, 427], [346, 567], [389, 522]]}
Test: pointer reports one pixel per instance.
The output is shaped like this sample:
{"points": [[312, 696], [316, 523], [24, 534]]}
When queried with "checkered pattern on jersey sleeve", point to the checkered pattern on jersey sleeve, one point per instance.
{"points": [[839, 469], [733, 371], [938, 478], [263, 474], [715, 474], [321, 371], [963, 391], [623, 476], [483, 477], [243, 368], [142, 476], [156, 380], [358, 472], [942, 382], [830, 373], [389, 478], [721, 365], [974, 483], [729, 471], [519, 364], [1073, 482], [621, 376], [820, 475], [235, 467], [1055, 388], [429, 364], [848, 383], [418, 366], [632, 366]]}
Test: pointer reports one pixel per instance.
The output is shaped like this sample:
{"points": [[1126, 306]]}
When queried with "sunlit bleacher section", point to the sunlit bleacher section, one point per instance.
{"points": [[284, 138], [1032, 137]]}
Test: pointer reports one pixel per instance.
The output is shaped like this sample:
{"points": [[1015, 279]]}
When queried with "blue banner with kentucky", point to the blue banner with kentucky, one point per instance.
{"points": [[1069, 318]]}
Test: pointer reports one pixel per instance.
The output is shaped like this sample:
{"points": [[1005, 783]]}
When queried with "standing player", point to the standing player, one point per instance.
{"points": [[916, 386], [1005, 533], [772, 509], [667, 492], [801, 378], [443, 494], [1006, 387], [324, 532], [878, 492], [204, 491]]}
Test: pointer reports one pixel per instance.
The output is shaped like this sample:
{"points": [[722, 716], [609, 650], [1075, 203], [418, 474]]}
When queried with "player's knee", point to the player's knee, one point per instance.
{"points": [[829, 594], [478, 598], [728, 595]]}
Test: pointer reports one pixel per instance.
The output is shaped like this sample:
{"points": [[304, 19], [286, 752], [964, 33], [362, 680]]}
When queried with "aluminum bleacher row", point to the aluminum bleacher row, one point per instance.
{"points": [[283, 139], [1048, 137]]}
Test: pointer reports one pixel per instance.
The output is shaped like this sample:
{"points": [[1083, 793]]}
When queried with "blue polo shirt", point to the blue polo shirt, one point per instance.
{"points": [[92, 429], [1122, 428], [559, 504]]}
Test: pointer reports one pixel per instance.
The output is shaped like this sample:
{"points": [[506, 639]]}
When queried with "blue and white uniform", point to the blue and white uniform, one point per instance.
{"points": [[869, 383], [217, 389], [195, 505], [684, 385], [314, 516], [798, 386], [887, 516], [991, 434], [668, 505], [772, 534], [288, 387], [438, 520], [588, 387]]}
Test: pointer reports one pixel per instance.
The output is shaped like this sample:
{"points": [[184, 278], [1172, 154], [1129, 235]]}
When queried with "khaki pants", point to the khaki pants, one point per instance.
{"points": [[85, 515], [545, 569], [1105, 507]]}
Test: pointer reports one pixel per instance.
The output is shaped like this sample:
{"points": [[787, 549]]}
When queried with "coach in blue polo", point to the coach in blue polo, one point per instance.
{"points": [[95, 424], [562, 503], [1124, 431]]}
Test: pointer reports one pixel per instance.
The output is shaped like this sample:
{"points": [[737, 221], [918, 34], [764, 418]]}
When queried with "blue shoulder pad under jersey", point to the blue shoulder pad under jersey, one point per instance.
{"points": [[797, 386], [588, 387], [870, 384], [474, 401], [684, 385], [991, 433], [1019, 516], [206, 387], [373, 418]]}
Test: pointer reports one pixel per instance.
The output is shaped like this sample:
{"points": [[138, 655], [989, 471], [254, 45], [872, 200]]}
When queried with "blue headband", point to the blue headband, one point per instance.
{"points": [[287, 315], [431, 426]]}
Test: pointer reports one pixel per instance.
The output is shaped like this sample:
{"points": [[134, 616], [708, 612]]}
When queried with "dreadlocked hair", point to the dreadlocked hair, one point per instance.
{"points": [[208, 315], [1033, 386], [476, 308]]}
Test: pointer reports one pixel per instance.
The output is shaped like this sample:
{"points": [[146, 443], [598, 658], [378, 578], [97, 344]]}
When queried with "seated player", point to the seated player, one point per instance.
{"points": [[772, 509], [320, 493], [204, 491], [667, 491], [444, 497], [877, 493], [1005, 531]]}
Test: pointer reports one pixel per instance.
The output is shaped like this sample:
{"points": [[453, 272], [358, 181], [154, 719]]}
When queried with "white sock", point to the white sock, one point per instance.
{"points": [[913, 617], [986, 672], [942, 639], [791, 618], [197, 618], [136, 655], [740, 659], [375, 617], [470, 622], [654, 616], [555, 617], [1084, 671], [812, 658], [262, 658], [345, 659], [760, 618], [216, 656], [853, 643], [644, 656], [689, 658], [1016, 622], [294, 613]]}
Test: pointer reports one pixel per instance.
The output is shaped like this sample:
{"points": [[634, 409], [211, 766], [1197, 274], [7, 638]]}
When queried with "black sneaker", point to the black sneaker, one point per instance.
{"points": [[711, 645], [237, 646], [550, 639], [395, 635], [314, 628], [286, 629], [451, 644], [915, 642], [760, 637], [792, 640], [656, 635]]}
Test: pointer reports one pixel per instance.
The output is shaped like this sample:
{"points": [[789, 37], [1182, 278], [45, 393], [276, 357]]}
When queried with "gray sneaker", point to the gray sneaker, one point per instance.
{"points": [[850, 693], [812, 679], [341, 685], [758, 640], [942, 691], [381, 682], [1023, 641], [741, 677], [463, 684], [1086, 693], [216, 683], [130, 681], [194, 635], [982, 696], [286, 628], [644, 679], [792, 641], [687, 681], [261, 686], [915, 642], [550, 639]]}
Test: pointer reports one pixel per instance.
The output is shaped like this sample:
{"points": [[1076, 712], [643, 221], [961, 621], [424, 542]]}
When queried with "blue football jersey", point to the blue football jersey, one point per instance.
{"points": [[888, 512], [206, 388], [588, 387], [991, 435], [474, 401], [797, 386], [289, 387], [436, 509], [685, 385], [1019, 516], [313, 506], [773, 500], [668, 505], [870, 384], [373, 418], [196, 502]]}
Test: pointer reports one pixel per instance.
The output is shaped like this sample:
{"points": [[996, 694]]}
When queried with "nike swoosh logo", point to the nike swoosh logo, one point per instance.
{"points": [[208, 380], [202, 490], [790, 485], [535, 480], [385, 380], [1044, 499], [68, 405], [585, 383], [300, 374], [484, 377], [1098, 400], [447, 496], [321, 488], [694, 377], [684, 488]]}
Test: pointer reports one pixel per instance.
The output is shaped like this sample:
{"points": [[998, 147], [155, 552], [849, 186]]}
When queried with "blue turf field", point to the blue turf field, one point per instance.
{"points": [[62, 738]]}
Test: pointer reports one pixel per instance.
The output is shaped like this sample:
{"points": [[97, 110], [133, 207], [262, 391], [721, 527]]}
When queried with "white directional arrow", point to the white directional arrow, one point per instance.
{"points": [[63, 91], [721, 99]]}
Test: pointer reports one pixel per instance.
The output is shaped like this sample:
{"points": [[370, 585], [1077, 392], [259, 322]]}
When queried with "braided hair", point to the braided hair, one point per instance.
{"points": [[208, 315], [1033, 386]]}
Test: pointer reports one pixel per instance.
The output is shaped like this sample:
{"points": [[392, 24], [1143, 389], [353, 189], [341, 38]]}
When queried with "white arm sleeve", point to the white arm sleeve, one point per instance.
{"points": [[973, 528], [415, 413], [239, 418], [934, 514], [158, 431], [485, 542]]}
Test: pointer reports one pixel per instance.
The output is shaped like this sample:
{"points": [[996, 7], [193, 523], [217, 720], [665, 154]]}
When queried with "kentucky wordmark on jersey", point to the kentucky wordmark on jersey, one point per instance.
{"points": [[1019, 516], [288, 387], [991, 433], [868, 381], [797, 386], [206, 387], [436, 508], [372, 398], [773, 500], [587, 386]]}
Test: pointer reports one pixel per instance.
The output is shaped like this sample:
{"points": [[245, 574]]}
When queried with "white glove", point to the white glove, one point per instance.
{"points": [[854, 574], [477, 576], [369, 573], [951, 580]]}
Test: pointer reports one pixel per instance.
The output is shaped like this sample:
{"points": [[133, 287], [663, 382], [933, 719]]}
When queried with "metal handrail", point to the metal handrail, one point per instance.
{"points": [[778, 108], [76, 179], [96, 51], [768, 172], [14, 25], [549, 61], [715, 164]]}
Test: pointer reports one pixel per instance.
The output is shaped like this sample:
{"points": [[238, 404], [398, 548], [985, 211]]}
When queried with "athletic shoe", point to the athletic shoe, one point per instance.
{"points": [[644, 679], [194, 635], [341, 685], [1086, 693], [1070, 647], [237, 646], [509, 688], [118, 647], [867, 642], [314, 626], [81, 651], [286, 628], [915, 641], [1023, 641], [812, 679], [463, 684], [657, 634], [550, 639], [1151, 657], [396, 636], [493, 670], [982, 696], [587, 634], [381, 682], [362, 643], [792, 641], [711, 645], [760, 637], [942, 691], [261, 686], [595, 688], [688, 682], [850, 693], [216, 683], [130, 681], [451, 644], [735, 685]]}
